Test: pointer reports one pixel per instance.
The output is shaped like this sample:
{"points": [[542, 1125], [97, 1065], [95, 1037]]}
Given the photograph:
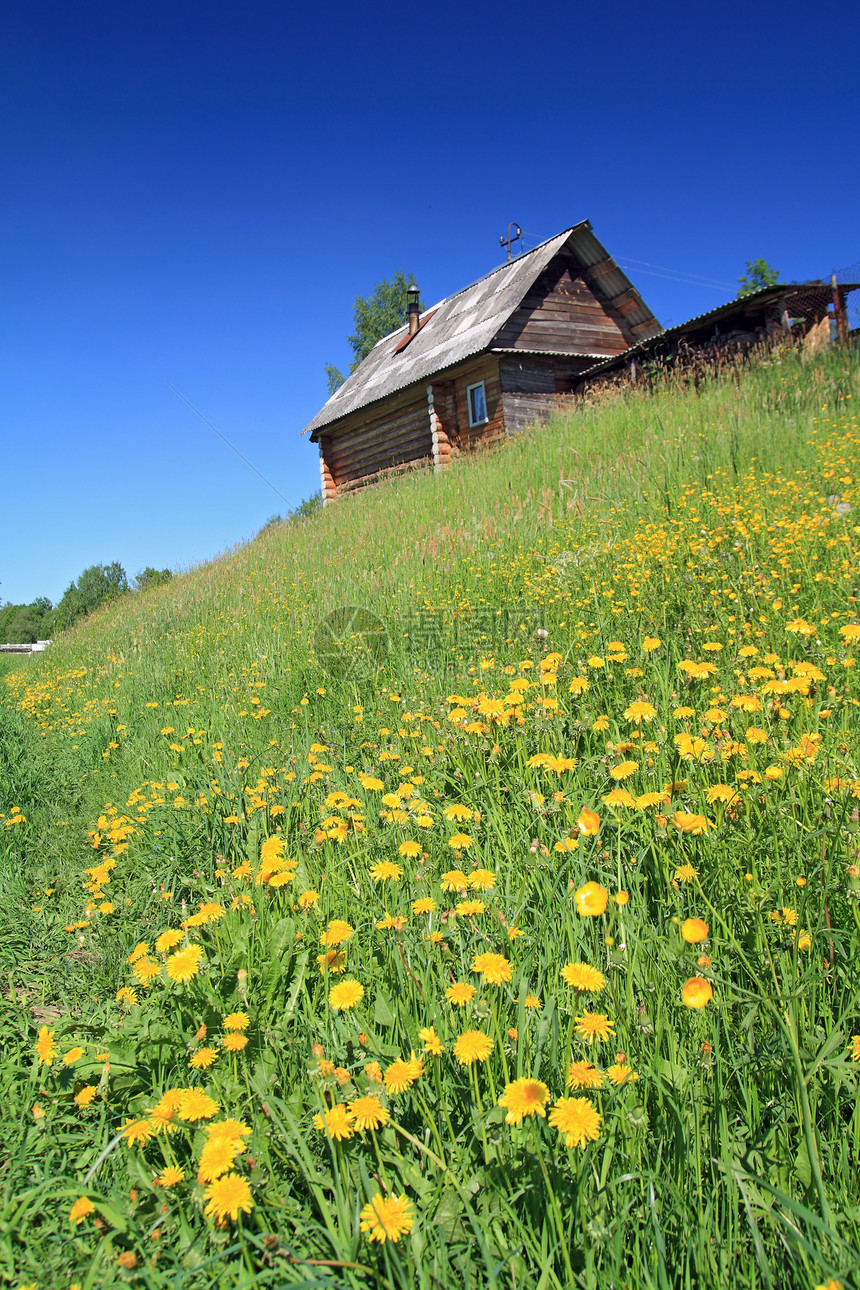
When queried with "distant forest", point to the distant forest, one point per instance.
{"points": [[41, 620]]}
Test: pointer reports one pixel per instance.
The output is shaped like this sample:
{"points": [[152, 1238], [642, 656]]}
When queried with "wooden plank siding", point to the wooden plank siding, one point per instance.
{"points": [[561, 313], [532, 386]]}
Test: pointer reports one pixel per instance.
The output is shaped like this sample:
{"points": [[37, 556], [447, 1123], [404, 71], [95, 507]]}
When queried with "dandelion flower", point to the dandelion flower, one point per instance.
{"points": [[184, 964], [590, 900], [524, 1097], [236, 1021], [135, 1131], [409, 849], [425, 905], [473, 1046], [203, 1059], [620, 1073], [594, 1025], [588, 822], [336, 1122], [81, 1208], [230, 1129], [85, 1095], [460, 993], [308, 899], [433, 1044], [345, 995], [72, 1056], [227, 1196], [369, 1113], [624, 770], [46, 1049], [146, 970], [689, 822], [577, 1120], [217, 1158], [234, 1043], [696, 992], [336, 933], [470, 908], [854, 1051], [401, 1075], [493, 968], [167, 940], [583, 977], [482, 880], [694, 930], [460, 841], [686, 873], [583, 1075], [454, 880], [387, 1218], [196, 1105], [386, 871], [169, 1177]]}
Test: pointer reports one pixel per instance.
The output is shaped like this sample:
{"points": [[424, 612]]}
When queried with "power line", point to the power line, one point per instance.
{"points": [[701, 279], [226, 440]]}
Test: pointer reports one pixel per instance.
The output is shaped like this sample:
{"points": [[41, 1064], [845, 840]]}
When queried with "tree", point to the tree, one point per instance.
{"points": [[374, 317], [150, 577], [96, 585], [759, 274], [334, 378]]}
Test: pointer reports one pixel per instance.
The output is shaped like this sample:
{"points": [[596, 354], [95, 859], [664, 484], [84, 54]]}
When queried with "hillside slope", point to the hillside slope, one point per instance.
{"points": [[460, 885]]}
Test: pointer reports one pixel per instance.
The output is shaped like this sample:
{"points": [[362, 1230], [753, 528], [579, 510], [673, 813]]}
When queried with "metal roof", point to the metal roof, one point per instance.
{"points": [[465, 324]]}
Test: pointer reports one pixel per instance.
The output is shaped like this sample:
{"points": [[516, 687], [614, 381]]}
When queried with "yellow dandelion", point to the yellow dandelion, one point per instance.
{"points": [[581, 976], [184, 964], [345, 995], [460, 993], [387, 1218], [337, 1122], [46, 1049], [228, 1196], [493, 968], [592, 1026], [369, 1113], [583, 1075], [473, 1046], [590, 900], [82, 1207], [524, 1097], [696, 992], [577, 1120]]}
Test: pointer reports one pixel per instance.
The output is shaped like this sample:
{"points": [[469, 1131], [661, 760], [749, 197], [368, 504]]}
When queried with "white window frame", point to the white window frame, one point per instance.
{"points": [[479, 385]]}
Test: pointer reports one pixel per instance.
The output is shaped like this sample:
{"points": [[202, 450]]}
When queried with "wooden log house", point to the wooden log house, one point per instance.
{"points": [[486, 362]]}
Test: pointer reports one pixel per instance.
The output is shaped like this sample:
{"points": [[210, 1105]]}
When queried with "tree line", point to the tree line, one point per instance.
{"points": [[41, 620]]}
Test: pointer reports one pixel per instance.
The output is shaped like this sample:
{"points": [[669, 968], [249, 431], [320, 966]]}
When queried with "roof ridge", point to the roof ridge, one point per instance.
{"points": [[484, 276]]}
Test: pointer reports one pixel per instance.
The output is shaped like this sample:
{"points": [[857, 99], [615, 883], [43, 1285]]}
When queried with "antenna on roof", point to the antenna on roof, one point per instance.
{"points": [[512, 237]]}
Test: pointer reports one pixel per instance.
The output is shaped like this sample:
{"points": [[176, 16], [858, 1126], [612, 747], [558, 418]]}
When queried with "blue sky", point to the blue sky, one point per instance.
{"points": [[198, 193]]}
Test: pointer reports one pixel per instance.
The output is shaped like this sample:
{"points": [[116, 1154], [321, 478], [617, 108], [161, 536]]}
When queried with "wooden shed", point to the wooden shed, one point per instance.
{"points": [[485, 362]]}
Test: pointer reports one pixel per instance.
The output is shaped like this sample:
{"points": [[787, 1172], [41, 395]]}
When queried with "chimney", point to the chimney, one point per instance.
{"points": [[413, 304]]}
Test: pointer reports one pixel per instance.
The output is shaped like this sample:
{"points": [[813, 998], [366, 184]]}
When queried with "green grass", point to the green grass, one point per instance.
{"points": [[160, 743]]}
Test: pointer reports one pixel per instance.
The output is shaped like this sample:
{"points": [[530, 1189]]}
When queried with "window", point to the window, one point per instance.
{"points": [[477, 397]]}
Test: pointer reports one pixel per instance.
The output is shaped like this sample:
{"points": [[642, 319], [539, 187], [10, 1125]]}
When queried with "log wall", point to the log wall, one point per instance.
{"points": [[367, 444]]}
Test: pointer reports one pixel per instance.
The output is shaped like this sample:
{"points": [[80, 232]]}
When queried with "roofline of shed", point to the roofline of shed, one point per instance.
{"points": [[774, 292]]}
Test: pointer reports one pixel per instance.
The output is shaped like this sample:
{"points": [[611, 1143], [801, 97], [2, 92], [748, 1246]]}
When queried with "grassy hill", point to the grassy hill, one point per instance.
{"points": [[460, 886]]}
